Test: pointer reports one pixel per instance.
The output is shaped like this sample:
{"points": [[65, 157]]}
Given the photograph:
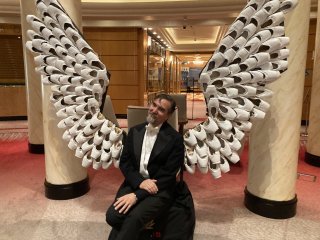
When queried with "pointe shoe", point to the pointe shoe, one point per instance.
{"points": [[199, 132], [209, 125], [238, 134], [189, 166], [222, 82], [98, 137], [82, 137], [116, 150], [96, 163], [88, 145], [243, 125], [287, 5], [212, 141], [234, 157], [223, 123], [189, 138], [96, 151], [257, 114], [115, 134], [260, 104], [220, 72], [224, 165], [203, 170], [68, 122], [106, 164], [234, 143], [190, 154], [106, 127], [105, 155], [225, 149], [201, 149], [214, 156], [86, 160], [215, 170], [244, 103]]}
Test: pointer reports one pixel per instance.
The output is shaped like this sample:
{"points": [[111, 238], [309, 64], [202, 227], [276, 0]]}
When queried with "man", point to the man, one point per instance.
{"points": [[151, 158]]}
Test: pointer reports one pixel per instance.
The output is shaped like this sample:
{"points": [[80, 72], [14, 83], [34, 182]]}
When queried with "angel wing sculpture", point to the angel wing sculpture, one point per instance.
{"points": [[252, 54]]}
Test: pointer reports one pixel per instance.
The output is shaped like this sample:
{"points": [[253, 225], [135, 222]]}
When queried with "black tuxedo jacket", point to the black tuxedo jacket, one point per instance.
{"points": [[165, 160]]}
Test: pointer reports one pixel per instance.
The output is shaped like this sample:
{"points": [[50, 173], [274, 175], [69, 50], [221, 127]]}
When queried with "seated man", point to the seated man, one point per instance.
{"points": [[151, 158]]}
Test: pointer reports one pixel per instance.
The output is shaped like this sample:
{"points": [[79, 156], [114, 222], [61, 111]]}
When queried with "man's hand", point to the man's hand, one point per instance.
{"points": [[149, 185], [124, 203]]}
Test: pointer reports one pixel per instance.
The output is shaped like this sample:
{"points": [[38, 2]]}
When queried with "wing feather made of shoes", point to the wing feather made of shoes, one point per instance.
{"points": [[78, 81], [252, 54]]}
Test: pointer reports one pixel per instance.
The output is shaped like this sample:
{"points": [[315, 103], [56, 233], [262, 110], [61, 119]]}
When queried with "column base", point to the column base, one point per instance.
{"points": [[66, 191], [312, 159], [36, 148], [269, 208]]}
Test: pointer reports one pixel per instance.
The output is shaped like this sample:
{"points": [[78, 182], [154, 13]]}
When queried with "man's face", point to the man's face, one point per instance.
{"points": [[158, 111]]}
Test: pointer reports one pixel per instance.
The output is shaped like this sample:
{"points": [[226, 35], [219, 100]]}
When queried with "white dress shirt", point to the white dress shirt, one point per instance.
{"points": [[149, 139]]}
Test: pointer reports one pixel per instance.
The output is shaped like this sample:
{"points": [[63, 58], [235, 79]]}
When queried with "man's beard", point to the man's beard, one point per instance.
{"points": [[150, 118]]}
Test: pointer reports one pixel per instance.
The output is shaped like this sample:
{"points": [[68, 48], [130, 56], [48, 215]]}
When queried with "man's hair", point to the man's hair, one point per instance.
{"points": [[169, 99]]}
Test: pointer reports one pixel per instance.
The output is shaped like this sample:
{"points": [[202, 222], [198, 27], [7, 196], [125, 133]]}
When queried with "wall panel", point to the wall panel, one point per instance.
{"points": [[120, 50]]}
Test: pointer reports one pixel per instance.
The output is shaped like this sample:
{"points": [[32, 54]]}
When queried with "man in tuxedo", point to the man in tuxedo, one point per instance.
{"points": [[152, 155]]}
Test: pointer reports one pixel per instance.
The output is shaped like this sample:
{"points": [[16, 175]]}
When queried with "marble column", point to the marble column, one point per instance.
{"points": [[312, 155], [274, 141], [33, 86], [65, 176]]}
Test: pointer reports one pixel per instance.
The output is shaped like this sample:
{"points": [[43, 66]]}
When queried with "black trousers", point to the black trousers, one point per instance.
{"points": [[130, 225]]}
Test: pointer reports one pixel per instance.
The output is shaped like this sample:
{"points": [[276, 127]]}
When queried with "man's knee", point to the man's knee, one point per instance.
{"points": [[113, 217]]}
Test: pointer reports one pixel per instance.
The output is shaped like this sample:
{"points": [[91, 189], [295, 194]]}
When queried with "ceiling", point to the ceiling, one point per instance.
{"points": [[190, 27]]}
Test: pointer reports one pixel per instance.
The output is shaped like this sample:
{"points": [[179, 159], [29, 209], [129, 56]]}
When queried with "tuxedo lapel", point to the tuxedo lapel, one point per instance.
{"points": [[138, 136], [163, 139]]}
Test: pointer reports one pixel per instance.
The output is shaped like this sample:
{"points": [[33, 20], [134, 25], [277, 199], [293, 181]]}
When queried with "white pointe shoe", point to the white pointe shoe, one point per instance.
{"points": [[88, 145], [215, 170], [203, 170], [115, 134], [210, 125], [116, 150], [191, 168], [199, 132], [96, 151], [224, 165], [214, 156], [96, 163], [106, 164], [189, 138], [212, 141], [68, 122], [106, 155], [190, 154], [225, 149], [86, 160], [234, 157]]}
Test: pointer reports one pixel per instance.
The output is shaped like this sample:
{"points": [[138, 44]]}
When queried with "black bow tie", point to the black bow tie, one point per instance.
{"points": [[152, 129]]}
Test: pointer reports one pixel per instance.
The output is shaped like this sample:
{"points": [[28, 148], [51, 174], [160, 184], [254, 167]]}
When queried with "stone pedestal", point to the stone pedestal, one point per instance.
{"points": [[274, 141]]}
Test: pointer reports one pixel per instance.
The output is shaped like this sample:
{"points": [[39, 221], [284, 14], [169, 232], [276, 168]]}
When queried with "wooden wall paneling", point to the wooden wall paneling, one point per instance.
{"points": [[124, 92], [120, 63], [142, 46], [122, 51], [13, 101], [129, 78]]}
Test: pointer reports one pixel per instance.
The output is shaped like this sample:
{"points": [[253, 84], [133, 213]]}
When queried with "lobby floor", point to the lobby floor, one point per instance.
{"points": [[220, 213]]}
